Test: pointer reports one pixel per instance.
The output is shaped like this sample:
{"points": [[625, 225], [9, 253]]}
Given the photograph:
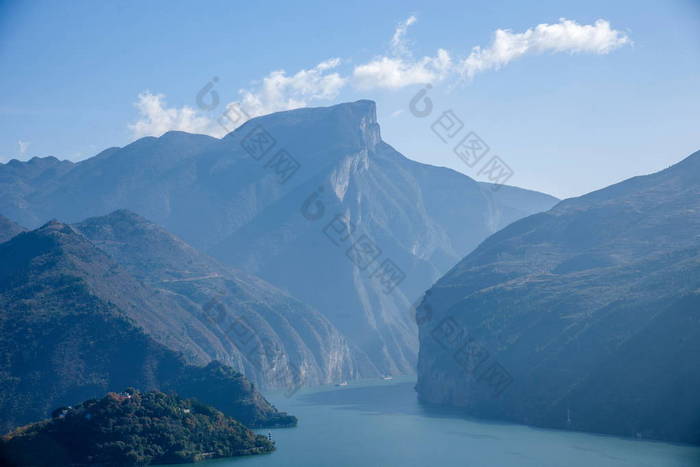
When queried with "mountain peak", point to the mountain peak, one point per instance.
{"points": [[363, 106], [125, 214], [350, 124], [53, 224], [56, 226]]}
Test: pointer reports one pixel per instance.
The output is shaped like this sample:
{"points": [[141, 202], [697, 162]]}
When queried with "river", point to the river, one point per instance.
{"points": [[380, 423]]}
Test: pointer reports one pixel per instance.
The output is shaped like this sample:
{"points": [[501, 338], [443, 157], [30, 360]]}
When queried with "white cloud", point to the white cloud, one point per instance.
{"points": [[397, 72], [400, 68], [156, 118], [398, 40], [321, 83], [281, 92], [565, 36], [23, 147], [278, 91]]}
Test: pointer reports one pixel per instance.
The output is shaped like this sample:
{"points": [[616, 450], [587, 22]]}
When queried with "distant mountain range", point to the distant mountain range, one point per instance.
{"points": [[584, 317], [310, 200], [9, 229]]}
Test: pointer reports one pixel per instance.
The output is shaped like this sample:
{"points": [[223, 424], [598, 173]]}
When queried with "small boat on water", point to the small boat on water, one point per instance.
{"points": [[387, 378], [343, 383]]}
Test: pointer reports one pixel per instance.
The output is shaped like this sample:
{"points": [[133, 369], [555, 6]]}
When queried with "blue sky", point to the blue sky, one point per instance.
{"points": [[571, 106]]}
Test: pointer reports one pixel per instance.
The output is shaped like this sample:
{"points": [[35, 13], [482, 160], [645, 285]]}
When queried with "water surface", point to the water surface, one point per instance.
{"points": [[380, 423]]}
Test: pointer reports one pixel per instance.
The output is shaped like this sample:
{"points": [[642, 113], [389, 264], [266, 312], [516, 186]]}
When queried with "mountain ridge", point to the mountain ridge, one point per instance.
{"points": [[564, 300], [74, 341], [301, 346], [241, 199]]}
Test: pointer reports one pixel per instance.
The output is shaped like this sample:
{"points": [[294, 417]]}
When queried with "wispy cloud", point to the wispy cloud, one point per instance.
{"points": [[400, 69], [155, 118], [395, 70], [564, 36], [277, 91], [281, 92], [399, 47], [23, 147]]}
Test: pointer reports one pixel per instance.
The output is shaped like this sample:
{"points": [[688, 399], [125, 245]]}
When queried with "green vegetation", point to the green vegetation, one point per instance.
{"points": [[63, 339], [131, 428], [229, 391]]}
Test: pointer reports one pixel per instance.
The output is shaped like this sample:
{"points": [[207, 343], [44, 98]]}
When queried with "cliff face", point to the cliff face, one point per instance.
{"points": [[67, 334], [227, 315], [363, 230], [310, 200], [584, 317]]}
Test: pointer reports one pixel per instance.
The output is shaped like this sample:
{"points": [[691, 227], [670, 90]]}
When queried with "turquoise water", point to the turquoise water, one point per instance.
{"points": [[380, 424]]}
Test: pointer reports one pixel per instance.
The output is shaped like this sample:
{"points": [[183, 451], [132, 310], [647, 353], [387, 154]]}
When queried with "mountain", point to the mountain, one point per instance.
{"points": [[584, 317], [20, 181], [275, 197], [131, 428], [244, 322], [68, 333], [376, 204], [8, 229]]}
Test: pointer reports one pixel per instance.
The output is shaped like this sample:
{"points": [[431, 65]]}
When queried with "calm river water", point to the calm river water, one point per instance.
{"points": [[380, 423]]}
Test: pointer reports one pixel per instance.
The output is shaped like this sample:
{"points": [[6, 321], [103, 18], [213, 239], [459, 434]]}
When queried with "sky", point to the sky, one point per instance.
{"points": [[572, 95]]}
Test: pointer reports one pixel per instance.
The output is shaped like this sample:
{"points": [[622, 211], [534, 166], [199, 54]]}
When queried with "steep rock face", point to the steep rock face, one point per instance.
{"points": [[355, 204], [247, 200], [590, 309], [271, 337], [63, 340]]}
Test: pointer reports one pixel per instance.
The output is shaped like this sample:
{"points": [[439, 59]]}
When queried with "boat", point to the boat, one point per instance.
{"points": [[343, 383], [387, 378]]}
